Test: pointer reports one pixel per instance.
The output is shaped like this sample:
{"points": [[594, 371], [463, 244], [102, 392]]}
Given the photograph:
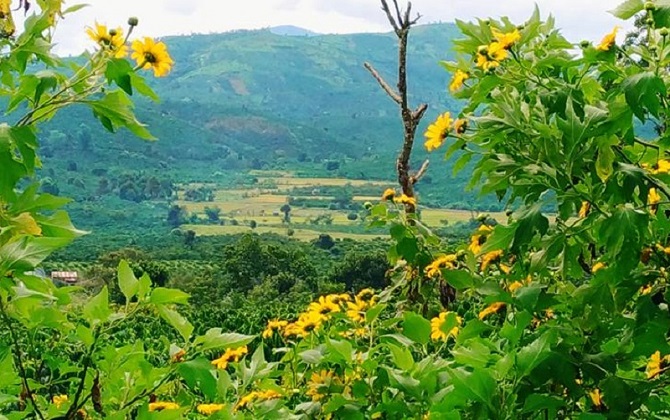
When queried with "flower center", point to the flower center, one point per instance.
{"points": [[149, 57]]}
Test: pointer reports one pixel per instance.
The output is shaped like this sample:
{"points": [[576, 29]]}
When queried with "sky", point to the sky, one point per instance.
{"points": [[579, 19]]}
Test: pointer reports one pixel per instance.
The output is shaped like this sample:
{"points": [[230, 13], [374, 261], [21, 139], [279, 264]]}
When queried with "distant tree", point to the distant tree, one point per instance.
{"points": [[253, 224], [72, 166], [286, 209], [358, 271], [332, 165], [213, 213], [189, 238], [352, 216], [324, 241], [176, 216], [290, 232]]}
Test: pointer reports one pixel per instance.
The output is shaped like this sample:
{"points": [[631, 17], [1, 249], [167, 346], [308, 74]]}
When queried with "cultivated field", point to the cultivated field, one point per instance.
{"points": [[260, 203]]}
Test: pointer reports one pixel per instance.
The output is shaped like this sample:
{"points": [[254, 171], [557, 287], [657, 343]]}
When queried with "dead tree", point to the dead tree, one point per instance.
{"points": [[402, 23]]}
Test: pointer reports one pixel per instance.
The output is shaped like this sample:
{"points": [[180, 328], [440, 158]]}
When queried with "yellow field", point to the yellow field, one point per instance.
{"points": [[300, 234]]}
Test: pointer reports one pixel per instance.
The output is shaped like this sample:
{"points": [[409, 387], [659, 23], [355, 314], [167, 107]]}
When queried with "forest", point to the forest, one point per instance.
{"points": [[451, 221]]}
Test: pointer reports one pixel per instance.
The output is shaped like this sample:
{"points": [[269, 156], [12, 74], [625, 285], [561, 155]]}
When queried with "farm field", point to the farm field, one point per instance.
{"points": [[259, 204]]}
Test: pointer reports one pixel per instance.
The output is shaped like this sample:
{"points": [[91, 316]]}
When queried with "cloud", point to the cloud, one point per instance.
{"points": [[173, 17]]}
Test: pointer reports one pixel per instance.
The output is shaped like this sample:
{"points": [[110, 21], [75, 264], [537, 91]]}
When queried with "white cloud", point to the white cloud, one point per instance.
{"points": [[579, 19]]}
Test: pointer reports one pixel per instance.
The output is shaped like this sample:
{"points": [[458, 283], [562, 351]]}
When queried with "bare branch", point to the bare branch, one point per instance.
{"points": [[415, 20], [418, 113], [389, 16], [422, 171], [398, 13], [384, 85]]}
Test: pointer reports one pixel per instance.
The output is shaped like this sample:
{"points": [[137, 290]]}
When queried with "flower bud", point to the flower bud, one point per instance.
{"points": [[585, 44], [653, 48], [649, 6], [650, 21], [664, 32], [133, 21], [113, 32]]}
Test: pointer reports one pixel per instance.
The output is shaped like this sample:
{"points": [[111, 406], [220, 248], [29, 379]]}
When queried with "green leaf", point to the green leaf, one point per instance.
{"points": [[311, 356], [628, 9], [500, 238], [643, 93], [416, 327], [402, 357], [477, 385], [97, 309], [344, 349], [144, 286], [26, 252], [128, 283], [178, 322], [198, 376], [373, 313], [605, 159], [118, 71], [214, 339], [163, 295], [115, 110], [530, 356], [459, 279]]}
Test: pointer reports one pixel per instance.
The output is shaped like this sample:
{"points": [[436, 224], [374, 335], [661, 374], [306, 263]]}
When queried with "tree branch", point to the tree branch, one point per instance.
{"points": [[421, 172], [384, 85]]}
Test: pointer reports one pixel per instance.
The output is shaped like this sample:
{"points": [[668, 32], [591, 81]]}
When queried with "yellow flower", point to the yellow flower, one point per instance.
{"points": [[292, 331], [273, 325], [460, 125], [491, 257], [209, 409], [162, 405], [388, 194], [661, 167], [457, 82], [269, 394], [437, 132], [319, 384], [514, 286], [608, 41], [110, 40], [356, 311], [445, 261], [597, 266], [492, 309], [404, 199], [490, 56], [584, 209], [507, 39], [256, 395], [308, 322], [340, 299], [478, 239], [596, 398], [645, 290], [59, 400], [657, 365], [230, 355], [366, 295], [151, 54], [323, 307], [437, 324]]}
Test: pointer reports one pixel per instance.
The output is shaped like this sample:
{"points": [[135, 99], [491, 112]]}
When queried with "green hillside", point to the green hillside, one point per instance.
{"points": [[255, 100]]}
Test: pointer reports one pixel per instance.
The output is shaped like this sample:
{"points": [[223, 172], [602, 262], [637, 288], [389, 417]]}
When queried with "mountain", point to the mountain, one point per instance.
{"points": [[255, 99], [290, 30]]}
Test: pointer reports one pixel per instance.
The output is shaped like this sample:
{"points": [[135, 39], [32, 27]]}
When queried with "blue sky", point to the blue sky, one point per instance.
{"points": [[579, 19]]}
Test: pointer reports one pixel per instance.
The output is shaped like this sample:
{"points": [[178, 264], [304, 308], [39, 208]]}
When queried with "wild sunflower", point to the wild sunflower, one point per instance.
{"points": [[446, 261], [457, 82], [478, 239], [323, 307], [490, 257], [437, 132], [437, 327], [110, 40], [356, 310], [608, 41], [388, 194], [163, 405], [308, 322], [230, 355], [405, 199], [490, 56], [460, 125], [209, 409], [59, 400], [657, 365], [597, 266], [584, 209], [273, 325], [493, 308], [507, 39], [661, 167], [152, 54]]}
